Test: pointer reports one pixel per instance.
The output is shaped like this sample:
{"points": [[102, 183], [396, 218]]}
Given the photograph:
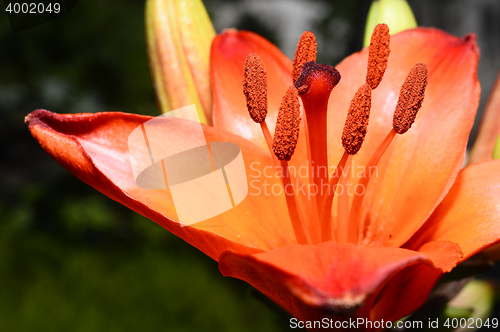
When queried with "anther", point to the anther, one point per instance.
{"points": [[410, 99], [286, 133], [305, 52], [357, 120], [409, 102], [255, 88], [378, 54]]}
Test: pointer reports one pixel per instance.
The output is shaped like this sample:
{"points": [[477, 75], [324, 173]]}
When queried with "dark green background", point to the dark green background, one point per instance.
{"points": [[72, 259]]}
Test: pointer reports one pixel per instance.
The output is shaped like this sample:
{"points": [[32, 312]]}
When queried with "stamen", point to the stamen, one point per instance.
{"points": [[255, 88], [286, 134], [305, 52], [378, 54], [293, 208], [410, 99], [267, 137], [343, 204], [315, 84], [352, 138], [326, 215], [285, 140], [357, 120], [355, 224]]}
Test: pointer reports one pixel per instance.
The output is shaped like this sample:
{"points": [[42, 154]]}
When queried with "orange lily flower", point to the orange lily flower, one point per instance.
{"points": [[422, 213]]}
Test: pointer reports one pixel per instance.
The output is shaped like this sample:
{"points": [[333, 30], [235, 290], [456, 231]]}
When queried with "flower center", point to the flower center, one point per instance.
{"points": [[313, 83]]}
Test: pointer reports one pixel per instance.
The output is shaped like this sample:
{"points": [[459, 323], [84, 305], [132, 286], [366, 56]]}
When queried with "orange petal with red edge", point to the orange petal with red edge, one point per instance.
{"points": [[94, 147], [408, 289], [469, 214], [316, 281], [405, 292], [421, 165]]}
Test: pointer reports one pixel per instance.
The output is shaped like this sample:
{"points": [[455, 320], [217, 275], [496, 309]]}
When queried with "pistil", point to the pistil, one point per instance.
{"points": [[314, 85]]}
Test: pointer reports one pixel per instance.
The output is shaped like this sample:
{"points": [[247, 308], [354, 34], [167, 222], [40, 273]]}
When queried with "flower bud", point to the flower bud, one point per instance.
{"points": [[396, 14], [179, 35], [496, 151], [476, 298]]}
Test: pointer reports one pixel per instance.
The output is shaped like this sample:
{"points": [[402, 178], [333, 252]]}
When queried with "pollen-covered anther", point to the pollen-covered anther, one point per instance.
{"points": [[255, 88], [286, 134], [378, 55], [356, 124], [306, 51], [410, 99]]}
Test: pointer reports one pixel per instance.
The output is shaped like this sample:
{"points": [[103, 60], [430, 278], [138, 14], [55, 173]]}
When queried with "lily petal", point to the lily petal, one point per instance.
{"points": [[228, 54], [326, 279], [94, 147], [469, 214], [415, 282], [421, 165], [179, 34]]}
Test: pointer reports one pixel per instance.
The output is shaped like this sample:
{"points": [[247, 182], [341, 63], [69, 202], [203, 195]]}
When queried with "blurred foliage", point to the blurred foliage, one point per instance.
{"points": [[70, 258]]}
